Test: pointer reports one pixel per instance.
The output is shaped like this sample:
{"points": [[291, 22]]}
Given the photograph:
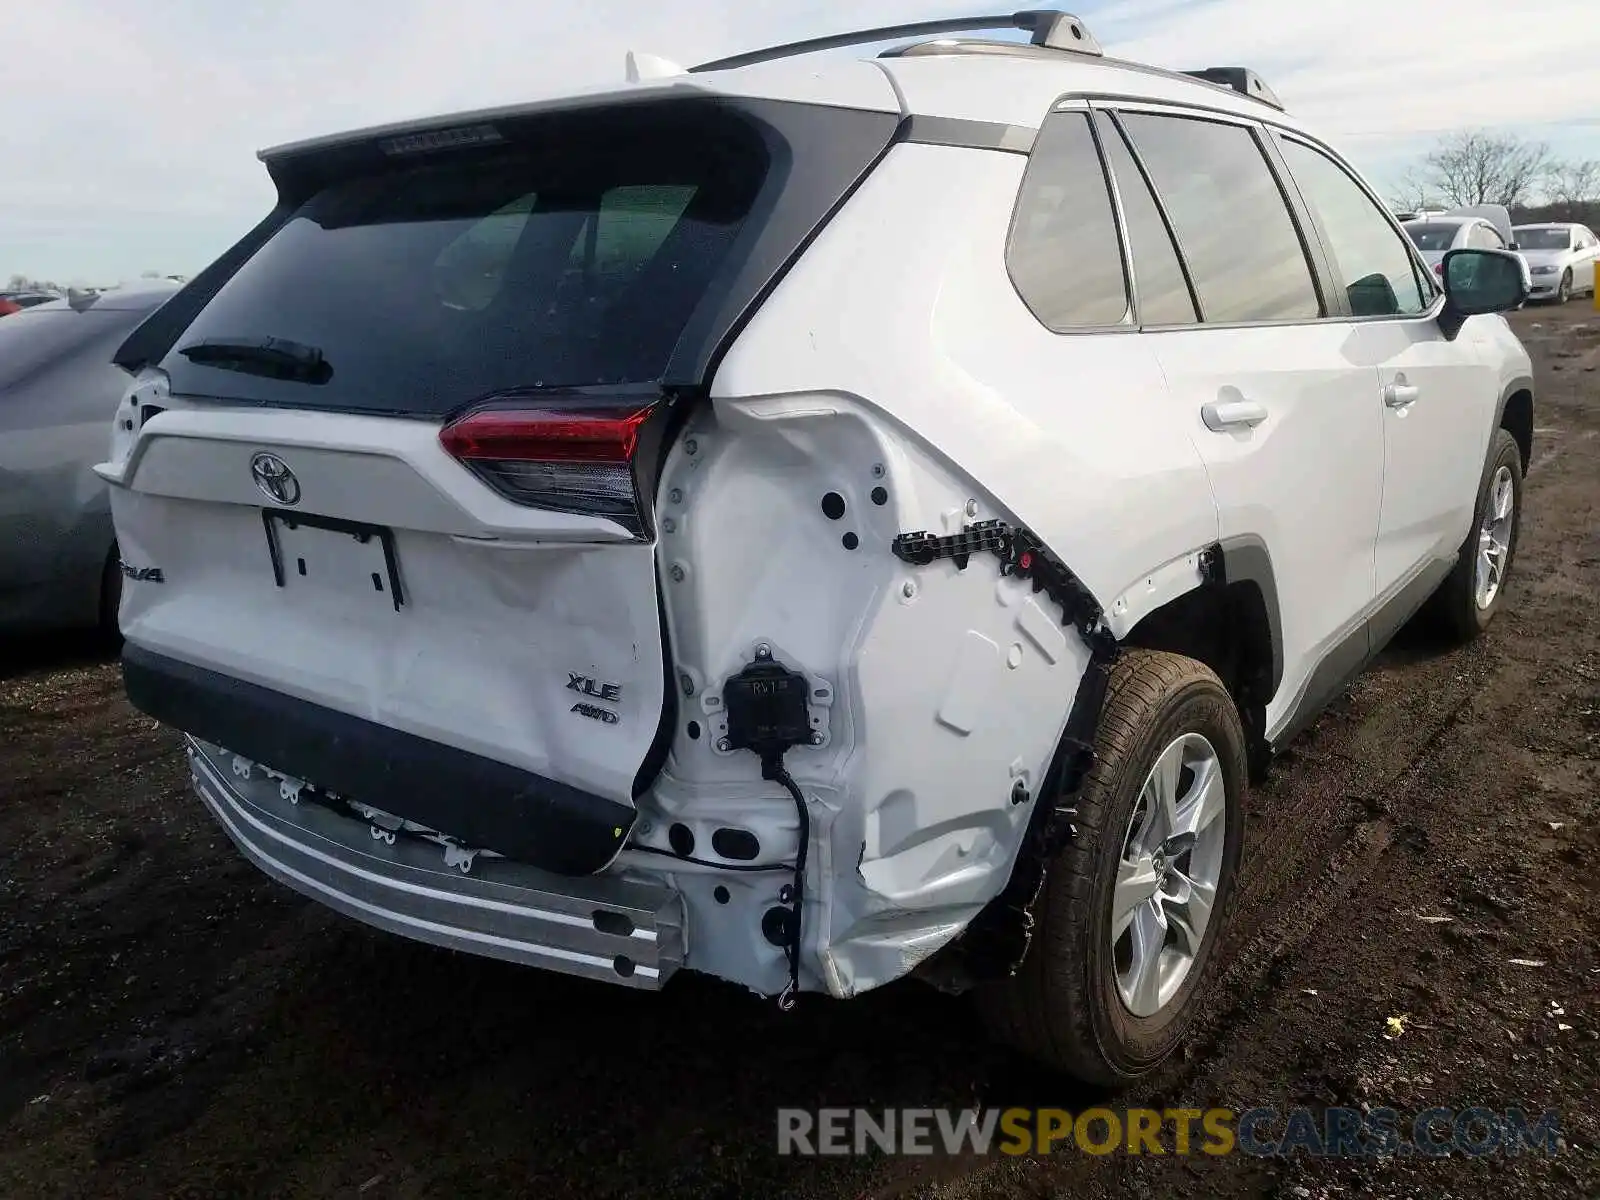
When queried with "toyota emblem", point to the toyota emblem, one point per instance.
{"points": [[274, 478]]}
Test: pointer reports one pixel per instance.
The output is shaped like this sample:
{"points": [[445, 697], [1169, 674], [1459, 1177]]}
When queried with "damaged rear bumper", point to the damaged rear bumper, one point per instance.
{"points": [[615, 930]]}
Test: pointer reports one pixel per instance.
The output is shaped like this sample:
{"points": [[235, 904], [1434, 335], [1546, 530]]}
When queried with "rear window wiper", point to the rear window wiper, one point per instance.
{"points": [[276, 358]]}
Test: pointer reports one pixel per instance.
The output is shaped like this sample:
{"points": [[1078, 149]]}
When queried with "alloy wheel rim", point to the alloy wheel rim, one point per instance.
{"points": [[1168, 874], [1494, 538]]}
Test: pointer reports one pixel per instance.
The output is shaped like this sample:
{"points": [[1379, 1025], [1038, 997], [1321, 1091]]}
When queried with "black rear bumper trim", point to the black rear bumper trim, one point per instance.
{"points": [[486, 804]]}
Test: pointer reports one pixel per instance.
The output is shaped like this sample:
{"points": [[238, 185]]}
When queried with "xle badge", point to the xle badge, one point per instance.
{"points": [[593, 687], [585, 686]]}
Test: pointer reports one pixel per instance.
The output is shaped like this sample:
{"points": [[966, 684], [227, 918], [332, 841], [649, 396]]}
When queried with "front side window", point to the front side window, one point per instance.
{"points": [[1232, 221], [1064, 254], [1370, 257]]}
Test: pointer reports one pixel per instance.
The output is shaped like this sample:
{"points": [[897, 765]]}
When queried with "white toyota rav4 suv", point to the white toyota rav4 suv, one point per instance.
{"points": [[807, 520]]}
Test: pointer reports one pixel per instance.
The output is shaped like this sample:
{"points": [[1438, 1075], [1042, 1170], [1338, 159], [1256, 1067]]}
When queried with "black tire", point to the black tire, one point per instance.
{"points": [[1063, 1008], [111, 596], [1564, 293], [1453, 609]]}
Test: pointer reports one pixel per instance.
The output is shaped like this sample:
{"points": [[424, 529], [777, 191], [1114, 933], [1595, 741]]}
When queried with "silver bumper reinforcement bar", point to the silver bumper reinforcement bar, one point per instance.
{"points": [[620, 931]]}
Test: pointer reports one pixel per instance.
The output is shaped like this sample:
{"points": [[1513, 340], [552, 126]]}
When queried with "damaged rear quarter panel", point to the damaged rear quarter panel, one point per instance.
{"points": [[898, 339], [948, 683]]}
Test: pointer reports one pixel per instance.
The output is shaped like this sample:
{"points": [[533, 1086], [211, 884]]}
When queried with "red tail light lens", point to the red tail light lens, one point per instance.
{"points": [[576, 458]]}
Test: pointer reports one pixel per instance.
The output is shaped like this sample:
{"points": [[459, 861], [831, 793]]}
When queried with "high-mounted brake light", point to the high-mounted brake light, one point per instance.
{"points": [[565, 458]]}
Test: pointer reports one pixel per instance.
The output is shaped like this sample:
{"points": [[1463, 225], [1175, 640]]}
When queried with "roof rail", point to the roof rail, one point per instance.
{"points": [[1051, 28], [1242, 80]]}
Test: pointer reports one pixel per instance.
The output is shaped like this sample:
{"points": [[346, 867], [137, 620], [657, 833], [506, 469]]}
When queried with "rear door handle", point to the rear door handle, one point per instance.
{"points": [[1232, 414], [1400, 395]]}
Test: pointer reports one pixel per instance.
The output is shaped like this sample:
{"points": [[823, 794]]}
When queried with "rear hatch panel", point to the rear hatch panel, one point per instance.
{"points": [[325, 585]]}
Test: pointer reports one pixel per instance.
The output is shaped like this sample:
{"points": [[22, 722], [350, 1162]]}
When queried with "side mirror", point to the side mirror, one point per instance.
{"points": [[1478, 282]]}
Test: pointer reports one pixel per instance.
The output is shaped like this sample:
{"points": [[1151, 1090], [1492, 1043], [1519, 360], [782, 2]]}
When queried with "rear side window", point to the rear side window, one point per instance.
{"points": [[1372, 259], [571, 259], [1064, 254], [1232, 222], [1163, 292]]}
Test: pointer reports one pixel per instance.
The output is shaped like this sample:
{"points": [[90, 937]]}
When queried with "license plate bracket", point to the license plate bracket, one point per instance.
{"points": [[288, 560]]}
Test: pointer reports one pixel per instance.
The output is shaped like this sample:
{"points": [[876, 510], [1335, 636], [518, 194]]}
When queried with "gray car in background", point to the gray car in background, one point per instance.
{"points": [[58, 393]]}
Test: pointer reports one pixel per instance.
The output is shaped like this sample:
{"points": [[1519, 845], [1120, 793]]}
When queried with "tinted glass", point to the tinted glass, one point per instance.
{"points": [[576, 259], [1431, 238], [1544, 239], [1064, 254], [1230, 217], [1373, 261], [1163, 293]]}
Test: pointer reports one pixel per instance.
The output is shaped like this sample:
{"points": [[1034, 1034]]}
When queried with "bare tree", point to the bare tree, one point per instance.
{"points": [[24, 283], [1572, 183], [1475, 166], [1414, 194]]}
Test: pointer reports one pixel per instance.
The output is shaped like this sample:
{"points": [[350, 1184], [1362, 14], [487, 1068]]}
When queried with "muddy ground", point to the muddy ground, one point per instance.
{"points": [[173, 1024]]}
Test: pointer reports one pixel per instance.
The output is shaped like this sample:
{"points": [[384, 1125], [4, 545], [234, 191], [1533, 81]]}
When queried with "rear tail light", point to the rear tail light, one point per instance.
{"points": [[566, 457], [1438, 269]]}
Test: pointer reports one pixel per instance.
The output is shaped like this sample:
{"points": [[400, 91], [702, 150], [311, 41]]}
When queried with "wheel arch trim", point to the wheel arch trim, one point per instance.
{"points": [[1517, 386]]}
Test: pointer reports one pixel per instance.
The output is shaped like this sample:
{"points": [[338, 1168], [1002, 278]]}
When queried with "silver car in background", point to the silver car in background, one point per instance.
{"points": [[1434, 237], [1560, 258], [58, 393]]}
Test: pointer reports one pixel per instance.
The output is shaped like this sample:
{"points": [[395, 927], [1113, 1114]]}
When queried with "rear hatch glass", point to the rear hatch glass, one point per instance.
{"points": [[439, 279]]}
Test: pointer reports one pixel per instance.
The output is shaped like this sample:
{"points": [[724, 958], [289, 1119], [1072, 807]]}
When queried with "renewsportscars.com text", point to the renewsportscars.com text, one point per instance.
{"points": [[1262, 1132]]}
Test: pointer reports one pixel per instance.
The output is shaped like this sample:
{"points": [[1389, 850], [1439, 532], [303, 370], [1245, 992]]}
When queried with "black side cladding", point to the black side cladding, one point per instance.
{"points": [[995, 942]]}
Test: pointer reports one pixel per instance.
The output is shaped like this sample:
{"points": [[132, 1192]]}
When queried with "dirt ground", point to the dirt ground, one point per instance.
{"points": [[174, 1024]]}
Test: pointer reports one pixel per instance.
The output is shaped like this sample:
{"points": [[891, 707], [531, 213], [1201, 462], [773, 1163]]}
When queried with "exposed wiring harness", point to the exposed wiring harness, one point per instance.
{"points": [[772, 768], [768, 713]]}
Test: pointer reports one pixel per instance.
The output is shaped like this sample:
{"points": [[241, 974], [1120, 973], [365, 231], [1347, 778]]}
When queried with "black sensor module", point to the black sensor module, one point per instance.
{"points": [[767, 709]]}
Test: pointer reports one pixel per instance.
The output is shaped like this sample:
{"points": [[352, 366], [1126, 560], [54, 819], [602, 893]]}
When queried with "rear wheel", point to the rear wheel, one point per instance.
{"points": [[1134, 905], [1471, 594]]}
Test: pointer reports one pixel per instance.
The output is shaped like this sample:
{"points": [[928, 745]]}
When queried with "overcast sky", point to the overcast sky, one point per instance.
{"points": [[129, 127]]}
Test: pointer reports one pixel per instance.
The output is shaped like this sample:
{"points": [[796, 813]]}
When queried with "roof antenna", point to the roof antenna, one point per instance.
{"points": [[648, 66]]}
